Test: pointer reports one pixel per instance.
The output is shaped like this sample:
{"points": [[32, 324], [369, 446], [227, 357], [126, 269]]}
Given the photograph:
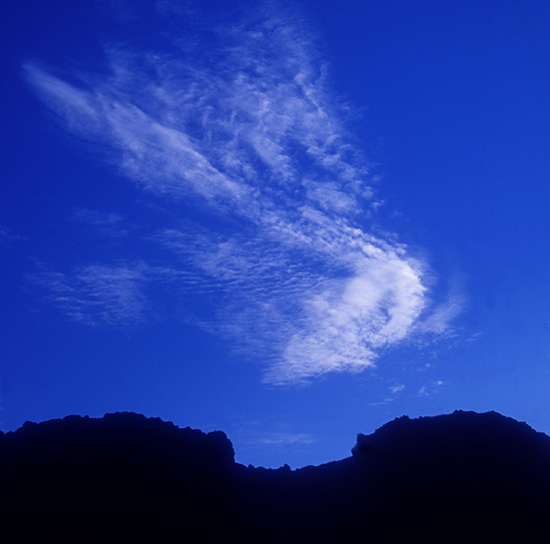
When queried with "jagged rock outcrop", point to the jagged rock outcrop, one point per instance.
{"points": [[128, 478]]}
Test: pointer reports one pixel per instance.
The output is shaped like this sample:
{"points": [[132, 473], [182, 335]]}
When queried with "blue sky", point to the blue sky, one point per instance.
{"points": [[289, 222]]}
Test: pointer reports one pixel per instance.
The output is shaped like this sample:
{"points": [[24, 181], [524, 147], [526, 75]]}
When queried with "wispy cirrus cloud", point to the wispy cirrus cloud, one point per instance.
{"points": [[287, 439], [240, 124], [98, 294], [397, 388], [106, 224]]}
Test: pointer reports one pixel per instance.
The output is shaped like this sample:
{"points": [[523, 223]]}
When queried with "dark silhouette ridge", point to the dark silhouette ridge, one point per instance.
{"points": [[463, 477]]}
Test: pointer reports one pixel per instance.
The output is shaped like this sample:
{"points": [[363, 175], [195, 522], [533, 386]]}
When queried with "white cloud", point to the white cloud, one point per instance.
{"points": [[397, 388], [328, 196], [107, 224], [426, 391], [98, 294], [244, 126], [287, 439]]}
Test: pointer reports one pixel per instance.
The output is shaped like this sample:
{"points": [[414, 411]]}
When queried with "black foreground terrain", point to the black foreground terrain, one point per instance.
{"points": [[464, 477]]}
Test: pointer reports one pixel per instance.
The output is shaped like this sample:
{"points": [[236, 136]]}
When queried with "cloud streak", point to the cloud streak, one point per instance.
{"points": [[287, 439], [241, 127], [98, 294]]}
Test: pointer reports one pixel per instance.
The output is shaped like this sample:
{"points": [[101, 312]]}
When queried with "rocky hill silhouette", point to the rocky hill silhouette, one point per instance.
{"points": [[127, 478]]}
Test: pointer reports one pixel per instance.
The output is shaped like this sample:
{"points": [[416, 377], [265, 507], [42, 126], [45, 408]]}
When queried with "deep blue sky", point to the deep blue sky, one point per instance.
{"points": [[292, 223]]}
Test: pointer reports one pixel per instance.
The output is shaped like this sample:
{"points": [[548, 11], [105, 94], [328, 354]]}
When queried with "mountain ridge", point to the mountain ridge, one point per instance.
{"points": [[145, 479]]}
